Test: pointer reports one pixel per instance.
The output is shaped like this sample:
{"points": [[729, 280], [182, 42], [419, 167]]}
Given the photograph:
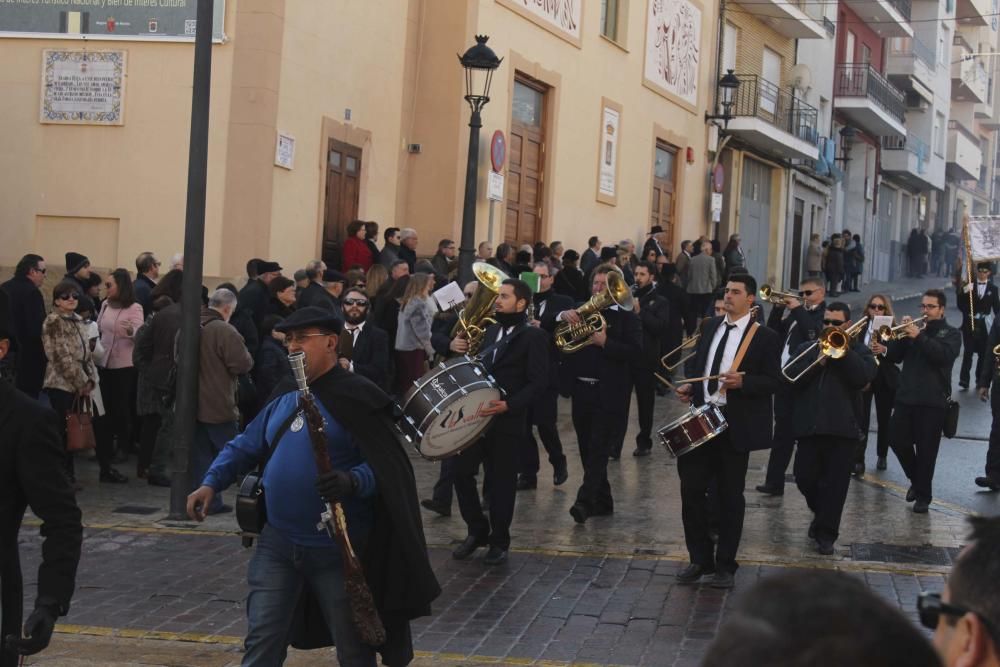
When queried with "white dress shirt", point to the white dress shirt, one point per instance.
{"points": [[981, 289], [728, 354], [355, 331]]}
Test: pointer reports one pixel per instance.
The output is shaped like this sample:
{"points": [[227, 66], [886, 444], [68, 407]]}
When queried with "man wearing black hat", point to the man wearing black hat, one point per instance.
{"points": [[653, 242], [373, 480], [32, 461], [570, 280], [78, 270], [254, 298], [985, 306], [517, 355]]}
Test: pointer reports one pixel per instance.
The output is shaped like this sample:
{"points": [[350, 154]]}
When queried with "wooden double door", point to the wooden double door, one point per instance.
{"points": [[526, 163], [343, 188]]}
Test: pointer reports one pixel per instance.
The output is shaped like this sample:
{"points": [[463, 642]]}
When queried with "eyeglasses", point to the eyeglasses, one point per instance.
{"points": [[806, 292], [834, 323], [929, 306], [295, 337], [876, 306], [983, 270], [930, 608], [355, 302], [72, 296]]}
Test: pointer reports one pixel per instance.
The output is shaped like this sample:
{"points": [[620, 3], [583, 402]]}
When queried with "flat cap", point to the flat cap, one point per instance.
{"points": [[334, 276], [308, 317], [267, 267]]}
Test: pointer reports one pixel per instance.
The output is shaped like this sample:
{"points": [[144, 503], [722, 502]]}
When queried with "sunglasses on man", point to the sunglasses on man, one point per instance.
{"points": [[70, 296], [355, 302], [806, 292], [834, 323], [930, 608]]}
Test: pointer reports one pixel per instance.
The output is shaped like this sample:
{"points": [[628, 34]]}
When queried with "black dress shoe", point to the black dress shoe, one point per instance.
{"points": [[882, 464], [692, 573], [112, 476], [964, 385], [859, 469], [723, 580], [824, 548], [435, 506], [769, 490], [560, 475], [468, 547], [158, 480], [988, 483], [921, 507], [642, 451], [579, 513], [495, 556], [527, 482], [911, 495]]}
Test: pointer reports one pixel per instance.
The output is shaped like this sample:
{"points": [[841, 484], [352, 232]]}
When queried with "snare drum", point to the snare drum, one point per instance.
{"points": [[441, 414], [693, 429]]}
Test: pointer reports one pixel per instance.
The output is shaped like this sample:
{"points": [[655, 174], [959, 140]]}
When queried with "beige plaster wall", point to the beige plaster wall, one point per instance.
{"points": [[124, 187]]}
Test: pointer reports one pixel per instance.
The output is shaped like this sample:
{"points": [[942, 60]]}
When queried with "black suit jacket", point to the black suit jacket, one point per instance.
{"points": [[989, 304], [27, 313], [370, 355], [521, 369], [809, 324], [612, 365], [144, 287], [316, 295], [654, 313], [32, 456], [588, 260], [748, 410]]}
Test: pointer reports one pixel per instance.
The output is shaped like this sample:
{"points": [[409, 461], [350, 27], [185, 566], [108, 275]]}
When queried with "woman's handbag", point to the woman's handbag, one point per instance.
{"points": [[79, 427]]}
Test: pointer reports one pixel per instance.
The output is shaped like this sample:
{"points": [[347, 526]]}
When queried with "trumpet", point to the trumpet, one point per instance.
{"points": [[571, 337], [887, 333], [769, 294], [833, 343]]}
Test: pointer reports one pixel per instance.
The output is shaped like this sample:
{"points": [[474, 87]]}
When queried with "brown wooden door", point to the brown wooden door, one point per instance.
{"points": [[523, 223], [343, 177], [664, 184]]}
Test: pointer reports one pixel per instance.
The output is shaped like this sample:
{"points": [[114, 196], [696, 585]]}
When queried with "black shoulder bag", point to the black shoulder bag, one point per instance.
{"points": [[951, 412], [251, 507]]}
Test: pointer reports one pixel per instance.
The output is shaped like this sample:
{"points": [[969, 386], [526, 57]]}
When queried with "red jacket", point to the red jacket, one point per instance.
{"points": [[356, 252]]}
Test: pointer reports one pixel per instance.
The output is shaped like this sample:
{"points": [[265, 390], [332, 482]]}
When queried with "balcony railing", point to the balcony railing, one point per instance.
{"points": [[914, 145], [911, 46], [762, 99], [861, 80], [903, 7]]}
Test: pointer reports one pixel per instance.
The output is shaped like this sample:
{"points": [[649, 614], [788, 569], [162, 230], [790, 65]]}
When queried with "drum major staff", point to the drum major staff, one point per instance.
{"points": [[928, 355], [991, 376], [517, 356], [372, 478], [826, 423], [743, 393]]}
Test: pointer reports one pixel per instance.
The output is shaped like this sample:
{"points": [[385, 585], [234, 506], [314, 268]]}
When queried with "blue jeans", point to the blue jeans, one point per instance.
{"points": [[278, 570], [209, 440]]}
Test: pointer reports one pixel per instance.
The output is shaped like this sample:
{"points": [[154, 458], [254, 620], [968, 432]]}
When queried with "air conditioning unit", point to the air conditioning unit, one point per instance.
{"points": [[915, 102]]}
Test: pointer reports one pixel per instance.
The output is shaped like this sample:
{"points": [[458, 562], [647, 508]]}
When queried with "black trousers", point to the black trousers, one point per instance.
{"points": [[645, 397], [916, 436], [697, 307], [883, 399], [972, 344], [993, 453], [596, 429], [823, 474], [784, 439], [543, 416], [716, 460], [494, 451], [118, 387]]}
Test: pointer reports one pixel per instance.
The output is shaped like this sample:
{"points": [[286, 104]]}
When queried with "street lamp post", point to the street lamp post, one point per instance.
{"points": [[728, 85], [479, 63], [847, 136]]}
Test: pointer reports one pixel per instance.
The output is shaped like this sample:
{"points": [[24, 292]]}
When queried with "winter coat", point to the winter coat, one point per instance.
{"points": [[71, 364], [414, 329], [356, 253], [850, 260], [834, 261], [224, 356], [814, 258], [27, 313], [114, 324], [389, 254]]}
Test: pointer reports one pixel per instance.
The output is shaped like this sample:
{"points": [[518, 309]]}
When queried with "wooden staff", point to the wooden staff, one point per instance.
{"points": [[708, 377], [363, 611], [968, 271]]}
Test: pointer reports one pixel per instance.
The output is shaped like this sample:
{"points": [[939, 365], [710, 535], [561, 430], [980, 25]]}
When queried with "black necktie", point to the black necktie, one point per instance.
{"points": [[713, 384]]}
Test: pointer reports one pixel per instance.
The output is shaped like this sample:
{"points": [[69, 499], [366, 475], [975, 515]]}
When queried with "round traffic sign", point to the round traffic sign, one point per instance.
{"points": [[498, 150]]}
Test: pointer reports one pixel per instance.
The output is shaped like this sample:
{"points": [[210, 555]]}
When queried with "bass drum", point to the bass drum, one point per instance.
{"points": [[442, 413]]}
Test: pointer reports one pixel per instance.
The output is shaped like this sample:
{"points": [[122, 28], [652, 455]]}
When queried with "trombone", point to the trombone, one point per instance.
{"points": [[833, 343], [692, 343], [769, 294], [887, 333]]}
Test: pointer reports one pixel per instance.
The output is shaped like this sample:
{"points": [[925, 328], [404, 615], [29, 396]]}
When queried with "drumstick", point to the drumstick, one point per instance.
{"points": [[663, 380], [709, 377]]}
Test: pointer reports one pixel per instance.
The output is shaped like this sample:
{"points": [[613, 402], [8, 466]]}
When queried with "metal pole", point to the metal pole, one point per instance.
{"points": [[467, 250], [489, 236], [186, 407]]}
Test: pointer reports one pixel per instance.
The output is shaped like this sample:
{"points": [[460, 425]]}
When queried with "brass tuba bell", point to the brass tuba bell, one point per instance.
{"points": [[571, 337], [475, 315]]}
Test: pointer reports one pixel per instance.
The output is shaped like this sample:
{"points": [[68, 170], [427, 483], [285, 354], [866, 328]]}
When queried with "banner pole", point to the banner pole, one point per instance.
{"points": [[968, 272]]}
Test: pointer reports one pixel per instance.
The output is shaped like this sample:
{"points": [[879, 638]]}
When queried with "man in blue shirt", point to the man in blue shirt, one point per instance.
{"points": [[368, 477]]}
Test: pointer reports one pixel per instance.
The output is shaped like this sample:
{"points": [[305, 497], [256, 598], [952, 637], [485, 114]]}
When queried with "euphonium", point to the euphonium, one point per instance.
{"points": [[475, 315], [574, 337]]}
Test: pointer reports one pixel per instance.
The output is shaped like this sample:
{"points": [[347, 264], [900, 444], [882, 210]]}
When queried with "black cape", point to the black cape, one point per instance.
{"points": [[395, 559]]}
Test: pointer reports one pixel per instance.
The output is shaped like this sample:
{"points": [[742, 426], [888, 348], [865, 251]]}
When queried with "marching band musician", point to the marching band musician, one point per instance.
{"points": [[804, 323], [827, 424], [295, 566], [985, 306], [517, 356], [545, 411], [882, 389], [928, 355], [745, 357], [991, 375], [654, 313], [601, 377]]}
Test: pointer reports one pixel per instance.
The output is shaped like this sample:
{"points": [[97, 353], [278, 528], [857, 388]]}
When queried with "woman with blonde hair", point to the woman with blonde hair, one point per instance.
{"points": [[374, 279], [413, 333], [882, 388]]}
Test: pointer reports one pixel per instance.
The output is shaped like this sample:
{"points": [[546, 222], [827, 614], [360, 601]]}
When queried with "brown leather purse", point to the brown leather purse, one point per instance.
{"points": [[79, 425]]}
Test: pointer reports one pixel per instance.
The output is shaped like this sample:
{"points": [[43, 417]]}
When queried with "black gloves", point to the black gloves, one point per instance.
{"points": [[336, 485], [38, 632]]}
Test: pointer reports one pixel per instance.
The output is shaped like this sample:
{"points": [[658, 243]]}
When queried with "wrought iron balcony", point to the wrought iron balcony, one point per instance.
{"points": [[863, 80], [759, 98]]}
